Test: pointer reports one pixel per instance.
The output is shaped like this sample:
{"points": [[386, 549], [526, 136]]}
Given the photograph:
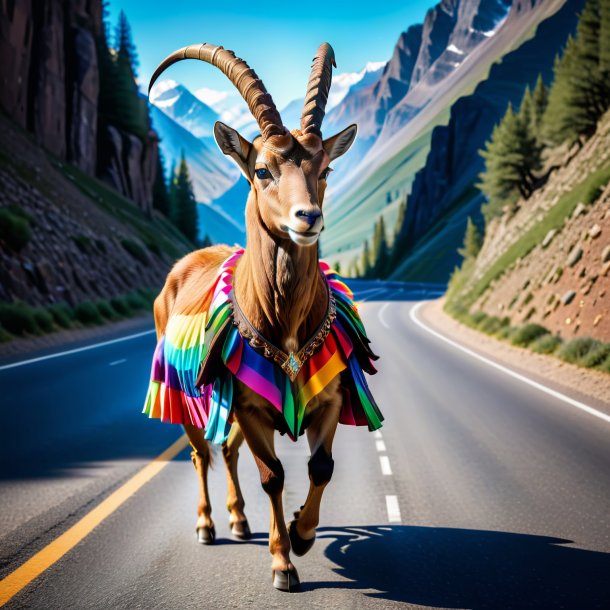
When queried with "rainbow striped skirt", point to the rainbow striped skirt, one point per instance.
{"points": [[200, 354]]}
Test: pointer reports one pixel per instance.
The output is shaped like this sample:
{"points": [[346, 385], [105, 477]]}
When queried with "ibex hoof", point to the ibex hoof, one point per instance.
{"points": [[299, 545], [286, 580], [206, 535], [241, 530]]}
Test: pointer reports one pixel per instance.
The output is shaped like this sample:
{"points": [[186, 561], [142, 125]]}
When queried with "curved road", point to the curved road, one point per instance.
{"points": [[479, 491]]}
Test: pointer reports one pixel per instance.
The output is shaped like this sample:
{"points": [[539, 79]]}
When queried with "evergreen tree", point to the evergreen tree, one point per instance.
{"points": [[539, 102], [580, 92], [380, 250], [511, 155], [530, 149], [132, 109], [365, 263], [473, 240], [604, 39], [107, 101], [161, 200], [183, 207]]}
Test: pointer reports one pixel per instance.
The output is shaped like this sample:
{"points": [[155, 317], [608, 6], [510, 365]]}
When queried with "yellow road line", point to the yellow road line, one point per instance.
{"points": [[45, 558]]}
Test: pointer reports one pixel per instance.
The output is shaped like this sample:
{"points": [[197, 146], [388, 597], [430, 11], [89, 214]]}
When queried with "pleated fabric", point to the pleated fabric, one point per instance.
{"points": [[182, 391]]}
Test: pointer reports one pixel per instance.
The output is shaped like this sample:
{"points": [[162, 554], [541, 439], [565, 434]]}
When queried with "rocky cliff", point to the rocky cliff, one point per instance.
{"points": [[49, 85], [453, 162]]}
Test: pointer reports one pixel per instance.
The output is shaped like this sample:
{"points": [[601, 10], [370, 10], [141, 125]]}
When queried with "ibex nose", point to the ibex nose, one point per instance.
{"points": [[309, 216]]}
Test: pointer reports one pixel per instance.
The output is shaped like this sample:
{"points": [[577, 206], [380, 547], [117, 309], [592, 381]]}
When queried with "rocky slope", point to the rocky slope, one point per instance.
{"points": [[86, 241], [563, 281], [453, 162], [49, 85]]}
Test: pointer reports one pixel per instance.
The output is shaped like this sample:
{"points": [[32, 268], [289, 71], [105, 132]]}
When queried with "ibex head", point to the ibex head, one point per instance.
{"points": [[287, 171]]}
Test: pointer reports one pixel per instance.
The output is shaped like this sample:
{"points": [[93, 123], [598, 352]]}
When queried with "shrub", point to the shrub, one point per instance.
{"points": [[44, 320], [106, 310], [135, 249], [546, 344], [136, 301], [576, 349], [18, 318], [4, 335], [121, 306], [62, 314], [493, 324], [605, 365], [88, 313], [505, 332], [14, 230], [83, 243], [596, 356], [478, 317], [524, 335]]}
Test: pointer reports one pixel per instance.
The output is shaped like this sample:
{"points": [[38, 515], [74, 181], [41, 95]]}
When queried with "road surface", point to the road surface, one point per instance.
{"points": [[479, 491]]}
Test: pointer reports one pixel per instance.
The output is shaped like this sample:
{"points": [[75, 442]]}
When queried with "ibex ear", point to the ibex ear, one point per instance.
{"points": [[340, 143], [233, 145]]}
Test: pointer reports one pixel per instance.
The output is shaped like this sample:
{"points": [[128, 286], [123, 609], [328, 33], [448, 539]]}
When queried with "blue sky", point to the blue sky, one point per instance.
{"points": [[277, 39]]}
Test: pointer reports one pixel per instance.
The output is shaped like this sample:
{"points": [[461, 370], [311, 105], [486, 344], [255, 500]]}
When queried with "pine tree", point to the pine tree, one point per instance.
{"points": [[161, 200], [510, 158], [365, 262], [580, 92], [132, 109], [380, 250], [604, 39], [531, 150], [183, 207], [539, 102], [473, 240]]}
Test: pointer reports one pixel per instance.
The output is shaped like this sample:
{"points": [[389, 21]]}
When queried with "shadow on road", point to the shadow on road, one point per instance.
{"points": [[458, 568]]}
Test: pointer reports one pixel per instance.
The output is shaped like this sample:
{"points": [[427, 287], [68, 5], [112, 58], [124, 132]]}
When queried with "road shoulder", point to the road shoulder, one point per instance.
{"points": [[589, 386]]}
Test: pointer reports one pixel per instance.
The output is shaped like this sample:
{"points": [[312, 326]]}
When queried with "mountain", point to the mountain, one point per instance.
{"points": [[394, 147], [177, 102], [442, 191]]}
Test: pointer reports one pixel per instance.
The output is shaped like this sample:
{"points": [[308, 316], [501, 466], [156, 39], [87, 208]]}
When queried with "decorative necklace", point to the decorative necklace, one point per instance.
{"points": [[203, 352]]}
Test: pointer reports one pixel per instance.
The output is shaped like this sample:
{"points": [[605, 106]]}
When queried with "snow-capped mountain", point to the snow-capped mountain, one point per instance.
{"points": [[178, 103]]}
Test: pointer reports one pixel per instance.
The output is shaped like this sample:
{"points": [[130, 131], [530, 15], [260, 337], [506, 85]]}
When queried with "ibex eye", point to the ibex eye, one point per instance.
{"points": [[325, 173], [262, 173]]}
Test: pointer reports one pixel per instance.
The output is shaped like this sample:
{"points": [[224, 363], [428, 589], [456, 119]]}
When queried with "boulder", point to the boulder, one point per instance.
{"points": [[575, 255], [549, 237], [568, 297]]}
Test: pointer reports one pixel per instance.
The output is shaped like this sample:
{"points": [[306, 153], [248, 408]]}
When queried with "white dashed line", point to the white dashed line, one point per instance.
{"points": [[386, 469], [75, 351], [378, 434], [393, 509], [115, 362], [380, 446], [571, 401]]}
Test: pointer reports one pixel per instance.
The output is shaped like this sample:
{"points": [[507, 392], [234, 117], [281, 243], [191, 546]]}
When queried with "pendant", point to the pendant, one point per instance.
{"points": [[292, 365]]}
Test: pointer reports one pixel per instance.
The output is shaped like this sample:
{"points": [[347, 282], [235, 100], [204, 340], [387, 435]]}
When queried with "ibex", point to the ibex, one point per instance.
{"points": [[265, 338]]}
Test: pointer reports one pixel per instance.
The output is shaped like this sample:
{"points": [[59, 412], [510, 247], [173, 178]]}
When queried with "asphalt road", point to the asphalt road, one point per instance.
{"points": [[480, 491]]}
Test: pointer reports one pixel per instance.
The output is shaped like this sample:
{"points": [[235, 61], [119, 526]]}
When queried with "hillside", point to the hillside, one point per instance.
{"points": [[549, 262], [83, 240]]}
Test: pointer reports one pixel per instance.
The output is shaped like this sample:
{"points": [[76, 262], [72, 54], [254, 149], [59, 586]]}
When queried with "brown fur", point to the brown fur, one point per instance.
{"points": [[279, 288]]}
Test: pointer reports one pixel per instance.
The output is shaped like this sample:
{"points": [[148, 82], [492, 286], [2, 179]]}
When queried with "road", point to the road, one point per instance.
{"points": [[479, 491]]}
